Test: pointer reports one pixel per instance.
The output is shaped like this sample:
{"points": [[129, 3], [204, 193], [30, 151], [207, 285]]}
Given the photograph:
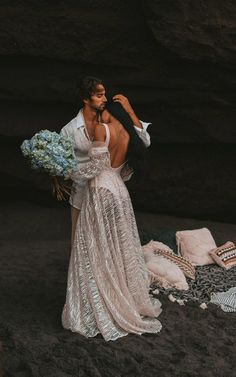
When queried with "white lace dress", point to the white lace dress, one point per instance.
{"points": [[108, 283]]}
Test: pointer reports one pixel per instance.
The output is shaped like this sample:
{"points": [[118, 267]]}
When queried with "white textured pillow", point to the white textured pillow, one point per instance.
{"points": [[195, 245], [162, 270]]}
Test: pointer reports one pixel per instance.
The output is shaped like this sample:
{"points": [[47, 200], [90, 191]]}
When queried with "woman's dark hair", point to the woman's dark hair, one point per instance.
{"points": [[136, 150], [87, 86]]}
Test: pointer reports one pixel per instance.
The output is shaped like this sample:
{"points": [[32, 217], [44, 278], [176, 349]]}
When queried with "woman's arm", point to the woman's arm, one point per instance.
{"points": [[100, 133], [141, 127], [99, 157], [128, 108]]}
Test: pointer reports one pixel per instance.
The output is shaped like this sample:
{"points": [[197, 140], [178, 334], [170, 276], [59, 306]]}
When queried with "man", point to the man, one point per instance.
{"points": [[81, 131]]}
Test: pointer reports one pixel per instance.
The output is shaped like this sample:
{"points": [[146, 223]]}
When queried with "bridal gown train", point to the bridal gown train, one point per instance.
{"points": [[108, 283]]}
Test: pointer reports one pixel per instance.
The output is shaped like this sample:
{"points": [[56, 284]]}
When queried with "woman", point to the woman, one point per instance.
{"points": [[108, 283]]}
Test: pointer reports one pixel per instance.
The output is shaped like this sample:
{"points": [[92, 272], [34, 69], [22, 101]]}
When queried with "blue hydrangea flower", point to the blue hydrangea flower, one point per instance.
{"points": [[50, 152]]}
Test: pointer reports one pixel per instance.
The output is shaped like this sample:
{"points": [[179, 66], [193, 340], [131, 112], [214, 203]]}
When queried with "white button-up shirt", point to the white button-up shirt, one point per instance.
{"points": [[75, 130]]}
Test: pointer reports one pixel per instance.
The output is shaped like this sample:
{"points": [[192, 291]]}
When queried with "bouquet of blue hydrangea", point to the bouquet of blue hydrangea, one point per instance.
{"points": [[51, 153]]}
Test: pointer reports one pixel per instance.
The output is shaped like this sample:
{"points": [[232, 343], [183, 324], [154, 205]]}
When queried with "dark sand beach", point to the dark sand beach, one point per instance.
{"points": [[34, 260]]}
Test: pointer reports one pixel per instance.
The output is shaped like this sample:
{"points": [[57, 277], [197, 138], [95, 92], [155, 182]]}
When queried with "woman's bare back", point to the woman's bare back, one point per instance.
{"points": [[118, 145], [119, 141]]}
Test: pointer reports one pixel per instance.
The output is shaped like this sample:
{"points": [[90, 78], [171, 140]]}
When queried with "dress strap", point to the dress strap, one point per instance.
{"points": [[107, 141]]}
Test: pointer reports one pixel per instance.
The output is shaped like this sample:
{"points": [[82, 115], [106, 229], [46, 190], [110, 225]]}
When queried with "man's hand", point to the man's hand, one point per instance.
{"points": [[124, 102]]}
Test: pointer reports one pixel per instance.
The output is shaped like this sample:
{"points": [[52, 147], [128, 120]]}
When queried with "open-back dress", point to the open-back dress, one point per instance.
{"points": [[108, 283]]}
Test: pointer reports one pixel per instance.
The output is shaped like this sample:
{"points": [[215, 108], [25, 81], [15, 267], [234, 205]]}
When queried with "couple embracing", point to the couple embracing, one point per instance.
{"points": [[108, 282]]}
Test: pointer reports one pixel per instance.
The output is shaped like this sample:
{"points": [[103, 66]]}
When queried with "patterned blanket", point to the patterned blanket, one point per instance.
{"points": [[210, 278]]}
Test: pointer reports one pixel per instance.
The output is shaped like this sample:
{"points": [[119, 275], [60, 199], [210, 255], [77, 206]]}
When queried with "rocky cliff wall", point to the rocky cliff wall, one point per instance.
{"points": [[175, 60]]}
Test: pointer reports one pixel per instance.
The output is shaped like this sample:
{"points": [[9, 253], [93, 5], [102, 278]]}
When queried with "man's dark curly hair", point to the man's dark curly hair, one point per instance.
{"points": [[87, 87]]}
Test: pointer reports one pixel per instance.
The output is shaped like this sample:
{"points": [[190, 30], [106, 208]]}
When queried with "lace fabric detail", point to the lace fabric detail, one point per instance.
{"points": [[108, 282], [99, 159], [126, 172]]}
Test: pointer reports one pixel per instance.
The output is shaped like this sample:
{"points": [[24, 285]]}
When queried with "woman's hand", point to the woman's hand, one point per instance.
{"points": [[124, 102], [128, 108]]}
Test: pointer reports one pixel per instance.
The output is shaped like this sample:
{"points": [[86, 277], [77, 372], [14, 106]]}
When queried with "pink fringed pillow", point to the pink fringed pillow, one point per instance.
{"points": [[195, 245], [162, 270], [166, 273], [225, 255]]}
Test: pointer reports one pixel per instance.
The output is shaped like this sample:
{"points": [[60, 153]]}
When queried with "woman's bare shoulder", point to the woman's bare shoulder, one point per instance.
{"points": [[100, 132], [106, 117]]}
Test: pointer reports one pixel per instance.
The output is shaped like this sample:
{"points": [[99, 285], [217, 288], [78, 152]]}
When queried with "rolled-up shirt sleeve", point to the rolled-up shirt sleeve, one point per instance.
{"points": [[143, 134]]}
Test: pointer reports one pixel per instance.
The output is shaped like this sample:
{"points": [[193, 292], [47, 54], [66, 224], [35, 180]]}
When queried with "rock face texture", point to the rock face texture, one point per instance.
{"points": [[174, 60], [198, 31]]}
